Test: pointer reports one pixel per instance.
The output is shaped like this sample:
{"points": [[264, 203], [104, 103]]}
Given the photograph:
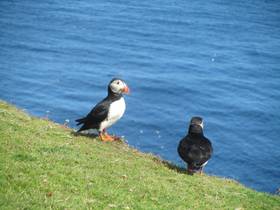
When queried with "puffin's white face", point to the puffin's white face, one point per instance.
{"points": [[119, 86]]}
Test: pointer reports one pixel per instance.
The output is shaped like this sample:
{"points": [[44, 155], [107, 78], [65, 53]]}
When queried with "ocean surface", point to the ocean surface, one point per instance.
{"points": [[216, 59]]}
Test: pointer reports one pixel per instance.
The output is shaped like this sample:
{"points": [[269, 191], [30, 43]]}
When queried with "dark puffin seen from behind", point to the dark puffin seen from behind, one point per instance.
{"points": [[195, 149], [106, 112]]}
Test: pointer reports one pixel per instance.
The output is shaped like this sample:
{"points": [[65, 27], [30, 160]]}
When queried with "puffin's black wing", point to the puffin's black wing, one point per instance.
{"points": [[95, 117], [195, 152], [184, 148], [206, 151]]}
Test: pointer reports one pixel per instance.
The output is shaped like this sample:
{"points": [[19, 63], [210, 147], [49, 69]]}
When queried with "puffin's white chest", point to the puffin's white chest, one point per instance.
{"points": [[116, 111]]}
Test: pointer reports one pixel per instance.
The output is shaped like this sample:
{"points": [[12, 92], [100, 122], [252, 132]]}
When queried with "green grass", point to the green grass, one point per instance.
{"points": [[45, 166]]}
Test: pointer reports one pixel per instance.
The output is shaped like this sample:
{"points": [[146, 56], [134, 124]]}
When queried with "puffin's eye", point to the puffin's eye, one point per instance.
{"points": [[118, 82]]}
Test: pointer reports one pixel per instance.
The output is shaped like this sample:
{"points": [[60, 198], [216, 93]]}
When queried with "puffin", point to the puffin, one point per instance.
{"points": [[107, 112], [195, 149]]}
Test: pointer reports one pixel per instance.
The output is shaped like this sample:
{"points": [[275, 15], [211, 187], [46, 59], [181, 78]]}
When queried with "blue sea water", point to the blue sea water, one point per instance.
{"points": [[216, 59]]}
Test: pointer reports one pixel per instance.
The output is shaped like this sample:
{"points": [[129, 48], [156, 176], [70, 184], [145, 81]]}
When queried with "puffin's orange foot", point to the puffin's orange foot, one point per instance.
{"points": [[106, 137], [112, 138]]}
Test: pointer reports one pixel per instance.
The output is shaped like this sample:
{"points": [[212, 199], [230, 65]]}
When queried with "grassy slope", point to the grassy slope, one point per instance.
{"points": [[43, 166]]}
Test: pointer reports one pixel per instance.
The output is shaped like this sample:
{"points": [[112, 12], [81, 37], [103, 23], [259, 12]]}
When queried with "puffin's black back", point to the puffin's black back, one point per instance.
{"points": [[195, 150], [99, 113]]}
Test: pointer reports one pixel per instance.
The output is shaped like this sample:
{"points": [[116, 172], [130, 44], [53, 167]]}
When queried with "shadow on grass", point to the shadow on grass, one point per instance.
{"points": [[170, 165], [90, 135], [95, 135], [24, 157], [155, 158]]}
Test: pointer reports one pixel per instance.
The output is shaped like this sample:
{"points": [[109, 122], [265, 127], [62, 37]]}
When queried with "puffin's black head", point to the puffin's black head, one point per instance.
{"points": [[196, 125], [118, 86]]}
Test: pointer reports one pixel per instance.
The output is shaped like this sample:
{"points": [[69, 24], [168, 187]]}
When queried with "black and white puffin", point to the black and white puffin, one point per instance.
{"points": [[195, 149], [106, 112]]}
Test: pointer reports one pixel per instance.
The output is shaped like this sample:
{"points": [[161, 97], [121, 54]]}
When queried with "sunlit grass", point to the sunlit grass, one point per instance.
{"points": [[44, 166]]}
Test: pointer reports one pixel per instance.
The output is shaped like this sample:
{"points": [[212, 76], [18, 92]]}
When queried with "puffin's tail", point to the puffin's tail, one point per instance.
{"points": [[80, 121], [193, 168]]}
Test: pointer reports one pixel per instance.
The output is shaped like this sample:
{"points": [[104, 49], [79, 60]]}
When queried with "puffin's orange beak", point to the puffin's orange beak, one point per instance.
{"points": [[126, 90]]}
